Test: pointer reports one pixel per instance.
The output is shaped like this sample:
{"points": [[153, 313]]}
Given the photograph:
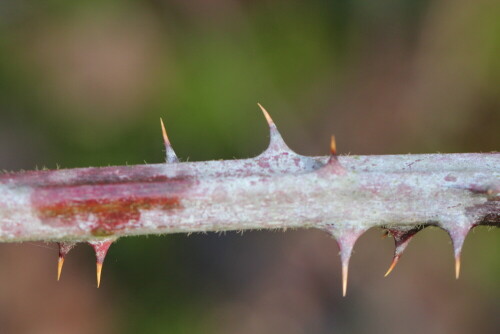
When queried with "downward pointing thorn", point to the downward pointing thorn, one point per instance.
{"points": [[345, 272], [457, 266], [402, 238], [64, 248], [395, 260], [60, 263], [346, 238], [458, 235], [98, 273], [101, 249]]}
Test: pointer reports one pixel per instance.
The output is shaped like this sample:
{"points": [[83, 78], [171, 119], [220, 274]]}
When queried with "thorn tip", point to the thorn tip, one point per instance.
{"points": [[171, 157], [266, 115], [395, 260], [98, 273], [345, 272], [457, 266], [60, 264], [164, 133], [333, 146]]}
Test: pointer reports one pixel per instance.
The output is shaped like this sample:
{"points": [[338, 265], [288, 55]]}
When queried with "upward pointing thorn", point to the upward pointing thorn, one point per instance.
{"points": [[171, 157], [276, 144], [333, 146], [266, 115], [333, 165]]}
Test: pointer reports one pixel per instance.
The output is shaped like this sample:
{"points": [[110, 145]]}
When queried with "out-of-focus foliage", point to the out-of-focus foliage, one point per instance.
{"points": [[85, 83]]}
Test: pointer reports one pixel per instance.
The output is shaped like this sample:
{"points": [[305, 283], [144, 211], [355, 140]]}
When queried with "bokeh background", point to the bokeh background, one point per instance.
{"points": [[84, 83]]}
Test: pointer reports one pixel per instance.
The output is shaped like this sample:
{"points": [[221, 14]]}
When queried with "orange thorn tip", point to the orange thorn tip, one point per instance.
{"points": [[266, 115], [164, 133], [393, 265], [98, 272], [345, 270], [333, 146], [457, 266], [60, 264]]}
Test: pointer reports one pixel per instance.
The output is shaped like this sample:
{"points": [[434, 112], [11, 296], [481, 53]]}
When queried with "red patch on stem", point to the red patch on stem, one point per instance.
{"points": [[108, 207]]}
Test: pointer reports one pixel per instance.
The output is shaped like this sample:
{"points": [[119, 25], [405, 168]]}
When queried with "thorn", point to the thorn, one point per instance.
{"points": [[346, 238], [60, 264], [101, 249], [458, 233], [395, 260], [333, 146], [276, 143], [266, 115], [333, 165], [64, 248], [171, 157], [345, 273], [164, 132], [98, 273], [402, 238]]}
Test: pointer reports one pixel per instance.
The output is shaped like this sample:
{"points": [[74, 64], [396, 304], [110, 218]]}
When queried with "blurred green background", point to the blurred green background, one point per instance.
{"points": [[84, 83]]}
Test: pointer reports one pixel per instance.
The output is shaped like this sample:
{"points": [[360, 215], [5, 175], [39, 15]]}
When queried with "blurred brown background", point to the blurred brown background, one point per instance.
{"points": [[85, 82]]}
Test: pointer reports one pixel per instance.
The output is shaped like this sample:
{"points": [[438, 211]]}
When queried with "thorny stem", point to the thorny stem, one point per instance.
{"points": [[279, 189]]}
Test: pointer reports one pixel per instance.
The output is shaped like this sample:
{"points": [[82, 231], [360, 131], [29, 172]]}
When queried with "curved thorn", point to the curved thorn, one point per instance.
{"points": [[269, 120], [171, 157], [400, 248], [402, 238], [276, 142], [395, 260]]}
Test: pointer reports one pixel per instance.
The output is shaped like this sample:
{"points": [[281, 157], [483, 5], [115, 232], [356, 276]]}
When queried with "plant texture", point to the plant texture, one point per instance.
{"points": [[279, 189]]}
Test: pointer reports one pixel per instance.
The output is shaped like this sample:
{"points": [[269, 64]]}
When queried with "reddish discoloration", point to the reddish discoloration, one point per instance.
{"points": [[403, 235], [101, 249], [112, 206], [332, 167], [65, 248], [450, 178], [264, 163]]}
